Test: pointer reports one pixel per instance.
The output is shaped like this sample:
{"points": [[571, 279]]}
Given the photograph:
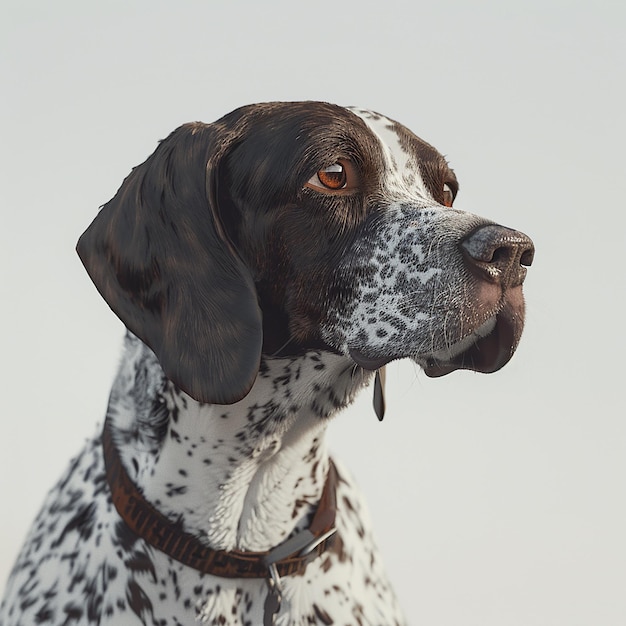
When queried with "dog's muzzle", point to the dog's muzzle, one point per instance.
{"points": [[497, 257]]}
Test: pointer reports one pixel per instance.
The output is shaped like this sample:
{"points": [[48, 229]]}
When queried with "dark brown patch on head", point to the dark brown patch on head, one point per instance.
{"points": [[433, 167], [284, 228]]}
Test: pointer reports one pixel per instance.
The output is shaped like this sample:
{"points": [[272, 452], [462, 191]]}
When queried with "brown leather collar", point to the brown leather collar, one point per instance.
{"points": [[288, 558]]}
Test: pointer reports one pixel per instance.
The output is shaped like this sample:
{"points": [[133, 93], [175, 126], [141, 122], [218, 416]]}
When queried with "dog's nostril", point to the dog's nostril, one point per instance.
{"points": [[527, 257], [498, 254]]}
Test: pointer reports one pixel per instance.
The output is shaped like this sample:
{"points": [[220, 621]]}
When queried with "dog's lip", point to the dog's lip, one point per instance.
{"points": [[486, 350], [479, 351], [368, 363]]}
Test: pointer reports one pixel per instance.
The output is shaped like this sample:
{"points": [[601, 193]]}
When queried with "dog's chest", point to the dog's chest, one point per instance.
{"points": [[80, 565]]}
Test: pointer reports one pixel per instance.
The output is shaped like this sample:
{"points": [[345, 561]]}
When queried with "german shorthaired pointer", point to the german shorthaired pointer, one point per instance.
{"points": [[265, 265]]}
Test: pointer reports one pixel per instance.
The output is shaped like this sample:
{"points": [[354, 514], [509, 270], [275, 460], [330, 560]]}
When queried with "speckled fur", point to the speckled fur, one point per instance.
{"points": [[248, 474], [80, 565]]}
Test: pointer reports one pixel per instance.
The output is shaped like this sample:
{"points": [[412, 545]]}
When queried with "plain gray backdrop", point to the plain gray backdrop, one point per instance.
{"points": [[497, 500]]}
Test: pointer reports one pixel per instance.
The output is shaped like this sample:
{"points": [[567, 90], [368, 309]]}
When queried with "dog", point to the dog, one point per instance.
{"points": [[267, 266]]}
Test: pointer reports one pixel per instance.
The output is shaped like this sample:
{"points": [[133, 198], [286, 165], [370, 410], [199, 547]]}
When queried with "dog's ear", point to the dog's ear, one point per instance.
{"points": [[158, 255]]}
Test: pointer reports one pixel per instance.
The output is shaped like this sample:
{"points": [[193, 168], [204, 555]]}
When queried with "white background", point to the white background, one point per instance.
{"points": [[497, 500]]}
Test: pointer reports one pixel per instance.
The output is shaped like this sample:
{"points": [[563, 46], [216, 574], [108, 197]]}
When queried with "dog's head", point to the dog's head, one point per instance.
{"points": [[284, 227]]}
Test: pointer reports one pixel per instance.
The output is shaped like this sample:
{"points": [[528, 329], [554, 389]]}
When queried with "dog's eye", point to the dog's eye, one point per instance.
{"points": [[333, 177], [448, 195], [339, 176]]}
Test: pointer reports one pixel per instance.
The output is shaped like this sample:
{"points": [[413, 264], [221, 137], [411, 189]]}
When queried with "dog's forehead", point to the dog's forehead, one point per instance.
{"points": [[402, 162]]}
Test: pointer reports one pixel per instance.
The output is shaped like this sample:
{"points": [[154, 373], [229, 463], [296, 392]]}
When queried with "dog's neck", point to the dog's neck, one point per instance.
{"points": [[242, 475]]}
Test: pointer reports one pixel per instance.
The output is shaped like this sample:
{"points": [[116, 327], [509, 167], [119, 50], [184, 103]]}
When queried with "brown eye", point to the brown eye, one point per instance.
{"points": [[333, 177], [448, 195], [340, 176]]}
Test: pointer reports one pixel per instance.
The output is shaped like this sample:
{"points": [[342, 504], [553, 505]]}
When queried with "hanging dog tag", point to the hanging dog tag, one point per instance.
{"points": [[379, 393], [273, 599]]}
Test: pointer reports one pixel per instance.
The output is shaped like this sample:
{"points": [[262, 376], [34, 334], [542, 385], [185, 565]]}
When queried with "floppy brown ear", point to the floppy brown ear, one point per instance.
{"points": [[158, 255]]}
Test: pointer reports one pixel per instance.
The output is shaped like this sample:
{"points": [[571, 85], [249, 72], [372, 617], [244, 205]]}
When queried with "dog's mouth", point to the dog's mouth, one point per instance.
{"points": [[486, 349]]}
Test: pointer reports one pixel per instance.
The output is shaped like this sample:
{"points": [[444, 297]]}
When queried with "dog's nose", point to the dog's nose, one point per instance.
{"points": [[499, 255]]}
